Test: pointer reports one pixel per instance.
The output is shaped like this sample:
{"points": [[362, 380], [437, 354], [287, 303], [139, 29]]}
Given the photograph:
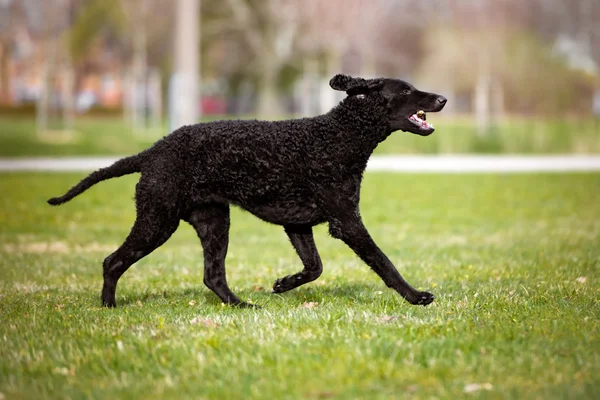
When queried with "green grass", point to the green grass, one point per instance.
{"points": [[106, 136], [513, 259], [90, 136]]}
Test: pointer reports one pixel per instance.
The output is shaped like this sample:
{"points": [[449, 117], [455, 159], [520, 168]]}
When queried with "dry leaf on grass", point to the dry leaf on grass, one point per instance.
{"points": [[309, 304], [205, 322], [257, 288], [64, 371], [387, 318], [474, 387], [581, 279]]}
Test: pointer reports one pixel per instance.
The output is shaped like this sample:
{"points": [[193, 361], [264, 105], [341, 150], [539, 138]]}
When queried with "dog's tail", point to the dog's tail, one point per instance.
{"points": [[124, 166]]}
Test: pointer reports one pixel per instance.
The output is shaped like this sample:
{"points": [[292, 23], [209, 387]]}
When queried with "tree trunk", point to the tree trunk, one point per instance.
{"points": [[482, 104], [329, 97], [139, 72], [48, 69], [5, 96], [269, 103], [155, 98], [309, 100], [483, 88], [184, 87], [497, 100], [43, 100], [68, 87], [127, 99]]}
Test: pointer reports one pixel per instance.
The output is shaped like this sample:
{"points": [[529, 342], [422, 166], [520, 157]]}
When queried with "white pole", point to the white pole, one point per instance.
{"points": [[186, 86], [154, 95]]}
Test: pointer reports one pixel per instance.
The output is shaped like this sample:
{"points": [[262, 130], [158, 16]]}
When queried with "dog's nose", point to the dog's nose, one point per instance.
{"points": [[442, 100]]}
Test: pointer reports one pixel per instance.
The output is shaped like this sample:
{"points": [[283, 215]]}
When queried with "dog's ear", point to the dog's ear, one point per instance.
{"points": [[354, 86], [343, 82]]}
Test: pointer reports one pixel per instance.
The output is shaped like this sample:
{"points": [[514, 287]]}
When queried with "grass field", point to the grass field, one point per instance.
{"points": [[105, 136], [513, 260]]}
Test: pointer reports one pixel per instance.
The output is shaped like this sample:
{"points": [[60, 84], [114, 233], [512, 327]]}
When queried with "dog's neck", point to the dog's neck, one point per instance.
{"points": [[359, 128]]}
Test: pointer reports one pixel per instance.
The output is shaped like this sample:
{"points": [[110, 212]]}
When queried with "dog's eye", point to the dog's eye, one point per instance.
{"points": [[406, 92]]}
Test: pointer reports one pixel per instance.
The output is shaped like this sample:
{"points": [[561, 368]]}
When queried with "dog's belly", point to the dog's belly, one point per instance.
{"points": [[267, 199], [287, 214]]}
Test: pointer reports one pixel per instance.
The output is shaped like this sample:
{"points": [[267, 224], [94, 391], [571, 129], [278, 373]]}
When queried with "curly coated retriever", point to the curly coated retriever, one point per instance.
{"points": [[297, 173]]}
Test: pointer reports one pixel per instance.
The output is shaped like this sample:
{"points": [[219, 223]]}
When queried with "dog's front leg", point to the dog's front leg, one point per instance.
{"points": [[351, 230]]}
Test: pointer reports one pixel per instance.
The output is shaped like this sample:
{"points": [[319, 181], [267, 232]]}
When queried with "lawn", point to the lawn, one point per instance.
{"points": [[513, 259], [109, 136]]}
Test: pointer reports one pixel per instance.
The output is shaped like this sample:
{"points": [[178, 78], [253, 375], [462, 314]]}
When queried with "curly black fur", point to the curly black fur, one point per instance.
{"points": [[295, 173]]}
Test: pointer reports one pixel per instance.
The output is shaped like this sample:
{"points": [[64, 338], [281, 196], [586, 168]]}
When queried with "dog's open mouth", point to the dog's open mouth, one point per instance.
{"points": [[419, 119]]}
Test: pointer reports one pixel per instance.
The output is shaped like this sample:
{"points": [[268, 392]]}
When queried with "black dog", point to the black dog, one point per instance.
{"points": [[296, 173]]}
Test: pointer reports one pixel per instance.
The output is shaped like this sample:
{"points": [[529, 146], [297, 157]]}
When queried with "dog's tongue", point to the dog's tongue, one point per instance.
{"points": [[419, 118]]}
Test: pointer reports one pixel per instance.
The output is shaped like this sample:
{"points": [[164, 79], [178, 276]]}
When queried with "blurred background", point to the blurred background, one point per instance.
{"points": [[80, 77]]}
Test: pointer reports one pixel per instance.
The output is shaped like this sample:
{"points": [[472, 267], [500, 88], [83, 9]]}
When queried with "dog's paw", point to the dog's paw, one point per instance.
{"points": [[283, 285], [277, 287], [243, 304], [421, 299], [108, 293], [109, 303]]}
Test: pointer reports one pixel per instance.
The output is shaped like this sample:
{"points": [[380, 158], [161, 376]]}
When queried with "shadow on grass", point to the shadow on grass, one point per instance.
{"points": [[504, 292], [346, 293]]}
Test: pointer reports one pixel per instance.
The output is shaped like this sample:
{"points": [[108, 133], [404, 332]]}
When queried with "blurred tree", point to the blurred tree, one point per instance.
{"points": [[136, 31], [485, 49], [56, 92], [577, 20], [266, 38], [133, 29], [95, 20], [270, 29], [9, 20], [360, 37], [540, 81], [526, 70], [503, 54]]}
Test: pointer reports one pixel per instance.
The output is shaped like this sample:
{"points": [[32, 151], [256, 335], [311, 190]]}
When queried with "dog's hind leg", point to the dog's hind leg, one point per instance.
{"points": [[303, 241], [151, 229], [156, 221], [211, 222]]}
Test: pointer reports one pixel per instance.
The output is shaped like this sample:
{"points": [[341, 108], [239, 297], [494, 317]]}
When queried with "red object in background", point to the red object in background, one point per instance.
{"points": [[213, 106]]}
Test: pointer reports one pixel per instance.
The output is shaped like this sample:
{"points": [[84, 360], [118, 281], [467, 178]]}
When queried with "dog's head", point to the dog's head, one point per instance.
{"points": [[405, 105]]}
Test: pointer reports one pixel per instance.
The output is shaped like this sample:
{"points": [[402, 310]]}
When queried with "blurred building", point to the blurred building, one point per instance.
{"points": [[28, 53]]}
